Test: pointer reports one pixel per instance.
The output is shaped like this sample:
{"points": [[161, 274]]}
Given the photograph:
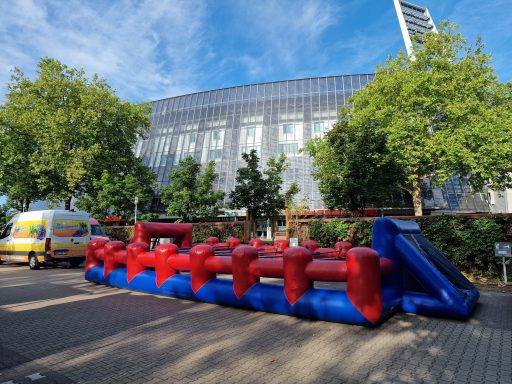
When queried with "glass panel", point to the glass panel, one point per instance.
{"points": [[200, 99], [306, 87], [291, 88], [314, 85], [347, 84], [283, 89], [323, 84], [330, 84]]}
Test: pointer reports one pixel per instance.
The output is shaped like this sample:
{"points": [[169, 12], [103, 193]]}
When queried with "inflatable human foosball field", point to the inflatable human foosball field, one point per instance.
{"points": [[402, 271]]}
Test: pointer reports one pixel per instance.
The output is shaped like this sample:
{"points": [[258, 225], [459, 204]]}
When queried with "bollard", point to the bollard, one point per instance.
{"points": [[364, 282], [133, 267], [199, 275], [243, 279], [296, 281], [110, 262]]}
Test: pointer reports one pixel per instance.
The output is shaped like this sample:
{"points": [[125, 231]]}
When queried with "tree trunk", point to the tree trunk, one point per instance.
{"points": [[27, 205], [247, 228], [67, 203], [287, 223], [416, 197]]}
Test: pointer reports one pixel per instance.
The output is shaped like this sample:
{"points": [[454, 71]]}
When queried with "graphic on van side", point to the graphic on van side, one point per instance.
{"points": [[70, 228], [35, 229]]}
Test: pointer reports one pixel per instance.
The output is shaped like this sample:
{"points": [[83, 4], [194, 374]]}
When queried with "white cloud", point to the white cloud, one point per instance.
{"points": [[146, 49]]}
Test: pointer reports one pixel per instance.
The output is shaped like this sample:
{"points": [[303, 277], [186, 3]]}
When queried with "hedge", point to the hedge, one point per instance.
{"points": [[223, 231], [468, 242], [201, 231]]}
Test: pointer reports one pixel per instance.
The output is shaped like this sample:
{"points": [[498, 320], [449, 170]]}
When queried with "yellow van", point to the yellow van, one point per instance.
{"points": [[45, 238]]}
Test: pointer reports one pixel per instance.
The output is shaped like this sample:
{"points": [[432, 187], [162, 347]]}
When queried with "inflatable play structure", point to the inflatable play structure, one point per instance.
{"points": [[402, 272]]}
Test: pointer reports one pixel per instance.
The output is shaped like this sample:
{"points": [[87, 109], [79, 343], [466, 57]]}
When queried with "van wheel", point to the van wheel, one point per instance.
{"points": [[74, 263], [33, 263]]}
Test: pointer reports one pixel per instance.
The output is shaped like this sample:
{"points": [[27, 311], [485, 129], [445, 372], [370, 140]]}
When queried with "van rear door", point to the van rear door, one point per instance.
{"points": [[70, 233]]}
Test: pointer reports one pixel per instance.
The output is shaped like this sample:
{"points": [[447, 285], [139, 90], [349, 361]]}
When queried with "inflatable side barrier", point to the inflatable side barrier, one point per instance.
{"points": [[403, 272]]}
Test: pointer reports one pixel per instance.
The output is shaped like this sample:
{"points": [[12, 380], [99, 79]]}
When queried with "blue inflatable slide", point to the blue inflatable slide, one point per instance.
{"points": [[429, 283]]}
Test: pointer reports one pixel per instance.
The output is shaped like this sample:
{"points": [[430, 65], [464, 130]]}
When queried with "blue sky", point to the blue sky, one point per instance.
{"points": [[149, 50]]}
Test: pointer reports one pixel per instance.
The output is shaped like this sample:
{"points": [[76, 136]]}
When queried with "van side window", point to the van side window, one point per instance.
{"points": [[7, 231]]}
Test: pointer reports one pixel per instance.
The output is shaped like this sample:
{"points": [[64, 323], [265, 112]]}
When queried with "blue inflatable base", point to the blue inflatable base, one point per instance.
{"points": [[318, 304]]}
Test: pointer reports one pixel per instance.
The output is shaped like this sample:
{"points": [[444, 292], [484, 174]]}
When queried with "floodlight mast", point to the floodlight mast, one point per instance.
{"points": [[414, 20]]}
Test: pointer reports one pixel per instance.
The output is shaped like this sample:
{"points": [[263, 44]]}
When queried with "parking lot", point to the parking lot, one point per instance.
{"points": [[57, 327]]}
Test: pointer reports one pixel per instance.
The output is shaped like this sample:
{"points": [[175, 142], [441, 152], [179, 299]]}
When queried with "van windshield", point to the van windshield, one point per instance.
{"points": [[97, 230]]}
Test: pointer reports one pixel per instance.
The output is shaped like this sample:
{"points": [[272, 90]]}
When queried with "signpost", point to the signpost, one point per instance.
{"points": [[136, 201], [503, 250]]}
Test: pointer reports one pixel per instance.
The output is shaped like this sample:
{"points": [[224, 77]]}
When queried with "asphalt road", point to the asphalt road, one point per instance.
{"points": [[57, 327]]}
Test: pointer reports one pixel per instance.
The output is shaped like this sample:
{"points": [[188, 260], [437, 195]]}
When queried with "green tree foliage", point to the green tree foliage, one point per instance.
{"points": [[353, 167], [260, 191], [62, 131], [190, 194], [6, 213], [115, 194], [442, 113]]}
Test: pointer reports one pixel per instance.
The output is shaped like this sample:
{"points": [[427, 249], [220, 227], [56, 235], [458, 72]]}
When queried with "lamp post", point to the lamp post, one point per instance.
{"points": [[136, 202]]}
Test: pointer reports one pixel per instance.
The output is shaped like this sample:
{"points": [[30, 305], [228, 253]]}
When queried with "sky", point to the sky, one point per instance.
{"points": [[154, 49]]}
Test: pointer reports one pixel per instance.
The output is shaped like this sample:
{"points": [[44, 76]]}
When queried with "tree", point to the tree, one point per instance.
{"points": [[441, 113], [354, 167], [190, 193], [114, 194], [73, 128], [260, 192]]}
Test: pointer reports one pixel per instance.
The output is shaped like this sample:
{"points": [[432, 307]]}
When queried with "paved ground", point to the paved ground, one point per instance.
{"points": [[56, 327]]}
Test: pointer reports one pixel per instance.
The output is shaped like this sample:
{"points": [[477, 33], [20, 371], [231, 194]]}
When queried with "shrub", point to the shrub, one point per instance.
{"points": [[223, 231], [466, 241], [120, 233]]}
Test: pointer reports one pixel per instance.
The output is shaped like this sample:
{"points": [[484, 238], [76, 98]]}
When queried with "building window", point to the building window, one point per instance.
{"points": [[216, 135], [214, 154], [318, 126], [290, 148], [287, 129], [250, 132]]}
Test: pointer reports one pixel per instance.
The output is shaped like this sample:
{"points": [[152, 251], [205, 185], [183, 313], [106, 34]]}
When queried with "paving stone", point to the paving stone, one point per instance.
{"points": [[71, 331]]}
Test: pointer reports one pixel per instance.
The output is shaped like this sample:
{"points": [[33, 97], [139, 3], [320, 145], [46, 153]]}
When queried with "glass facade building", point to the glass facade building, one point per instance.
{"points": [[272, 118]]}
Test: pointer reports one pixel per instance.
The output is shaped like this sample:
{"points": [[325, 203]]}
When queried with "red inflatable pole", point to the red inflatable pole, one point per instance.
{"points": [[120, 256], [147, 259], [296, 281], [133, 267], [199, 275], [363, 282], [90, 254], [182, 233], [281, 245], [233, 242], [312, 245], [257, 243], [109, 252], [327, 270], [345, 246], [162, 269], [243, 279], [212, 240], [178, 262], [267, 268]]}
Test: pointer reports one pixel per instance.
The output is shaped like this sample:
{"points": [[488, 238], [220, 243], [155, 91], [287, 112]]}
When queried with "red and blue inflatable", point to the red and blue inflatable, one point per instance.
{"points": [[403, 271]]}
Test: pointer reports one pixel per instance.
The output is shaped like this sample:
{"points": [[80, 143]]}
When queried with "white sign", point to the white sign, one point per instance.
{"points": [[294, 241], [502, 250]]}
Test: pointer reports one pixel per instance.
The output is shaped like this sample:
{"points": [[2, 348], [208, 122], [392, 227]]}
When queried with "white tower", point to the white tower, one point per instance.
{"points": [[414, 20]]}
